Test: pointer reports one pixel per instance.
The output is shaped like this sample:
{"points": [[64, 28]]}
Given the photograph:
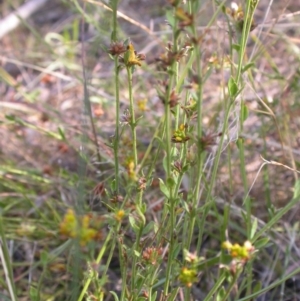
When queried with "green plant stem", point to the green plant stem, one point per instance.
{"points": [[149, 149], [123, 268], [233, 282], [218, 284], [199, 163], [114, 6], [170, 207], [248, 18], [117, 132], [99, 257], [132, 116], [134, 276], [201, 155], [171, 249], [136, 247], [219, 150], [167, 127]]}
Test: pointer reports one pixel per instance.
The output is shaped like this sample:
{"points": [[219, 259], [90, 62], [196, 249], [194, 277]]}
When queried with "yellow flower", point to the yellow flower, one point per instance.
{"points": [[130, 57], [80, 228], [119, 215], [69, 224], [142, 104], [188, 276], [242, 253]]}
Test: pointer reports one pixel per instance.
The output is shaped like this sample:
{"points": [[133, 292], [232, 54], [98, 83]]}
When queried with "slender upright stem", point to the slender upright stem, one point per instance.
{"points": [[132, 116], [117, 132]]}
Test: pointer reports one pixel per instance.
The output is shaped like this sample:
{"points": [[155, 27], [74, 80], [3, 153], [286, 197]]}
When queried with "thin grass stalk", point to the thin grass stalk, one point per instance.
{"points": [[6, 263], [114, 5], [134, 275], [137, 248], [167, 127], [200, 157], [123, 268], [117, 125], [170, 207], [200, 161], [149, 149], [87, 103], [79, 202], [132, 116], [266, 180], [248, 19]]}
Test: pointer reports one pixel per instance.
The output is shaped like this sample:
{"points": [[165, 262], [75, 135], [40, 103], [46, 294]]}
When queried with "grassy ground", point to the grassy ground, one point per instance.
{"points": [[151, 151]]}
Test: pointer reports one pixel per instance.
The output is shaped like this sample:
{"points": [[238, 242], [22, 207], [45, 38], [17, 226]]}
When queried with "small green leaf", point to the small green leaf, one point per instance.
{"points": [[139, 210], [173, 294], [44, 257], [244, 112], [185, 168], [33, 293], [113, 185], [148, 228], [170, 18], [232, 87], [207, 74], [247, 66], [236, 47], [186, 207], [221, 294], [177, 250], [133, 223], [253, 228], [260, 243], [115, 296], [156, 227], [153, 297], [10, 117], [164, 189], [239, 142], [257, 287], [171, 182], [296, 189], [62, 133]]}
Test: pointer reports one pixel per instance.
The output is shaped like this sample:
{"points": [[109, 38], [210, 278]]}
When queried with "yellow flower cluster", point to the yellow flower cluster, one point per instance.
{"points": [[180, 135], [237, 251], [188, 276], [236, 13], [131, 170], [74, 227], [189, 273], [131, 58]]}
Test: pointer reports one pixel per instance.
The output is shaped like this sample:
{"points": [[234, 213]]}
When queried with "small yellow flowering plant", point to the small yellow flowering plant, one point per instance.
{"points": [[86, 228], [236, 14], [241, 253], [180, 135], [131, 57], [189, 273], [127, 54]]}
